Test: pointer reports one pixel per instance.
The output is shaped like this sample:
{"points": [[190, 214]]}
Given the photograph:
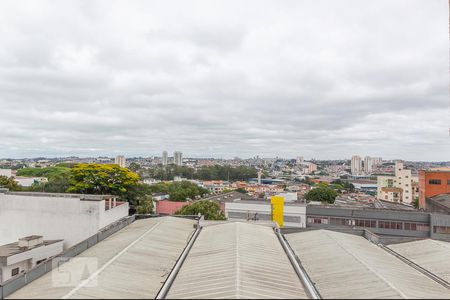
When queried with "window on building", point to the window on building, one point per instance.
{"points": [[422, 227], [441, 229], [410, 226], [448, 182], [434, 181], [14, 271]]}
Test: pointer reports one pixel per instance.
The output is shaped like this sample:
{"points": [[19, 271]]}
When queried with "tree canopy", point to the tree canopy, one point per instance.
{"points": [[48, 172], [180, 190], [210, 210], [101, 179], [9, 183], [205, 173], [322, 194]]}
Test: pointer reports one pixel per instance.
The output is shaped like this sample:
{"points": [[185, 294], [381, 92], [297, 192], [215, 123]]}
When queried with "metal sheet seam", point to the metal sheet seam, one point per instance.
{"points": [[95, 274], [367, 266], [303, 276], [419, 268], [173, 274]]}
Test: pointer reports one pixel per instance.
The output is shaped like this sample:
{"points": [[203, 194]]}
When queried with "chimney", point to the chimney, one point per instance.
{"points": [[30, 241]]}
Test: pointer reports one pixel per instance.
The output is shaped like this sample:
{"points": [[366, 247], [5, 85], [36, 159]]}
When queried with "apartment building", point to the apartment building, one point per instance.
{"points": [[402, 187]]}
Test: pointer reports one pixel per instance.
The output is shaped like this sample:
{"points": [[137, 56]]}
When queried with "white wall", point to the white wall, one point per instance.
{"points": [[5, 271], [52, 217], [110, 216]]}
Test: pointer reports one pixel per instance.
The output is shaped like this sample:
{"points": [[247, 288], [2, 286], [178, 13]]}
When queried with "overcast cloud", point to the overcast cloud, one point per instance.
{"points": [[322, 79]]}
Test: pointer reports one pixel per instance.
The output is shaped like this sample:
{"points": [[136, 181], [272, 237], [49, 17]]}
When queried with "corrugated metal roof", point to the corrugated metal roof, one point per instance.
{"points": [[132, 263], [237, 260], [431, 255], [348, 266]]}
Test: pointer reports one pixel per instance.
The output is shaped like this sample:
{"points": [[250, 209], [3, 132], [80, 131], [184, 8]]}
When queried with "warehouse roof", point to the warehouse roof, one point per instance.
{"points": [[431, 255], [133, 263], [348, 266], [237, 260]]}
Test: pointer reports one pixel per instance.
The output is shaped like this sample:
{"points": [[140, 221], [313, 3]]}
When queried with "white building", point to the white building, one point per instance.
{"points": [[6, 172], [164, 158], [289, 197], [367, 165], [178, 158], [29, 181], [120, 160], [397, 188], [72, 217], [294, 215], [356, 165], [300, 160], [19, 257]]}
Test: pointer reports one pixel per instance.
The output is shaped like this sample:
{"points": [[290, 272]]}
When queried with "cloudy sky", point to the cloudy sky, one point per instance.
{"points": [[322, 79]]}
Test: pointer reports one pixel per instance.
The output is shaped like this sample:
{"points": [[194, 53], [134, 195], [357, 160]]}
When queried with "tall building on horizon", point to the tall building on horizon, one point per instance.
{"points": [[368, 164], [178, 158], [356, 165], [164, 158], [120, 160]]}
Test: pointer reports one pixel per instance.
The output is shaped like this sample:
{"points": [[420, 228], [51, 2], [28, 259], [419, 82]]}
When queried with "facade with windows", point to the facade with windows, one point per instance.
{"points": [[433, 182], [380, 221], [19, 257], [401, 188]]}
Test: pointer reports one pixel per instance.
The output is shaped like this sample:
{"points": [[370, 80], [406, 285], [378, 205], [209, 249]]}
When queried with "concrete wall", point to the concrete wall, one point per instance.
{"points": [[16, 283], [54, 218], [440, 220], [373, 214]]}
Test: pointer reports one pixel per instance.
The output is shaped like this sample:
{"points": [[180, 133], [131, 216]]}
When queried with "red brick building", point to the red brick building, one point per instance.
{"points": [[433, 182]]}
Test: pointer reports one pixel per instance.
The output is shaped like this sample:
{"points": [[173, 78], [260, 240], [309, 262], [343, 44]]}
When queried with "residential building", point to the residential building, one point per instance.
{"points": [[433, 182], [300, 160], [397, 188], [178, 158], [23, 255], [164, 158], [71, 217], [356, 165], [312, 168], [6, 172], [367, 165], [120, 160]]}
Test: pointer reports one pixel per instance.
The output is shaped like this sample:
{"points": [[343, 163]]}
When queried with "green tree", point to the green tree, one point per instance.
{"points": [[9, 183], [344, 184], [184, 190], [101, 179], [134, 167], [144, 204], [48, 172], [210, 210], [56, 184], [322, 194], [241, 190]]}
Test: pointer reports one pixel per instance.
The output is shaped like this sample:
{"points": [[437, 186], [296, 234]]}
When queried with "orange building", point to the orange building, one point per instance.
{"points": [[433, 182]]}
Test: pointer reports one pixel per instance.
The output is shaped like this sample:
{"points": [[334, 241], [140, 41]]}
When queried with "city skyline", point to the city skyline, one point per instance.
{"points": [[323, 79]]}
